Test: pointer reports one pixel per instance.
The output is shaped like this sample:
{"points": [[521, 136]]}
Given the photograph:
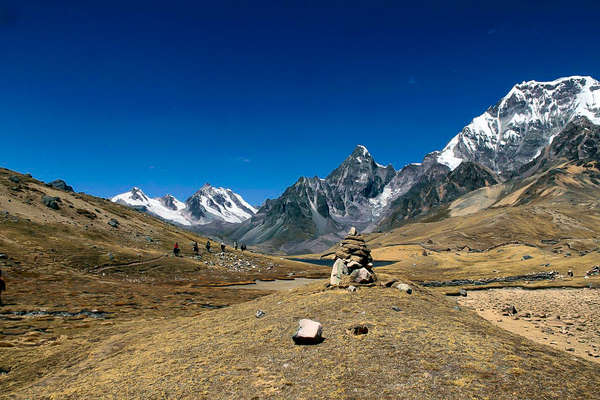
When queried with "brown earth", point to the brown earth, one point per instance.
{"points": [[566, 319]]}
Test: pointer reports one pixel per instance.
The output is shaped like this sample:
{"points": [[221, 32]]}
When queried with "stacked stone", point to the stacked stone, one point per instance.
{"points": [[352, 258]]}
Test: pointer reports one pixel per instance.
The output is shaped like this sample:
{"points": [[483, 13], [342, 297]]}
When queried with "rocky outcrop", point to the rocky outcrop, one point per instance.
{"points": [[60, 185]]}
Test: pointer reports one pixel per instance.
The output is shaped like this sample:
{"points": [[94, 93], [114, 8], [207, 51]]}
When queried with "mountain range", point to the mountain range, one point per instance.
{"points": [[511, 140], [209, 204]]}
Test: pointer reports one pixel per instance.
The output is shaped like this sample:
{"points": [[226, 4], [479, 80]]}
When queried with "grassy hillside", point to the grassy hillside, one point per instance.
{"points": [[430, 349]]}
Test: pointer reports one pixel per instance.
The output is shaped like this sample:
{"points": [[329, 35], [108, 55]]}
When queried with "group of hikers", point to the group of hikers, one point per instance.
{"points": [[196, 249]]}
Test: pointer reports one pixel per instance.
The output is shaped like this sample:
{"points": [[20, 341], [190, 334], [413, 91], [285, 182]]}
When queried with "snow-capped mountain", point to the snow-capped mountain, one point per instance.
{"points": [[206, 205], [312, 213], [210, 203], [167, 207], [515, 130]]}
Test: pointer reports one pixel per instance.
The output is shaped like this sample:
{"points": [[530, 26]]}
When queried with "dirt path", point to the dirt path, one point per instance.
{"points": [[566, 319]]}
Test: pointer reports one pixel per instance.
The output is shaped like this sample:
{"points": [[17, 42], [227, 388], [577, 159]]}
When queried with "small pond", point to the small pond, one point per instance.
{"points": [[329, 263]]}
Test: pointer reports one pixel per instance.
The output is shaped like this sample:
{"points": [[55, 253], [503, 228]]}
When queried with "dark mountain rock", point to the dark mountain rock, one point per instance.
{"points": [[438, 186], [60, 185]]}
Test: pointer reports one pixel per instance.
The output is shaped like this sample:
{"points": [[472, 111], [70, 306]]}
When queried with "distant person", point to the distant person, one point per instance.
{"points": [[2, 287], [243, 247], [235, 245], [195, 248], [208, 246], [176, 249], [222, 247]]}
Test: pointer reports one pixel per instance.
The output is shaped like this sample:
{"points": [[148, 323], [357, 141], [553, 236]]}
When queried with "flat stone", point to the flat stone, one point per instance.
{"points": [[309, 332]]}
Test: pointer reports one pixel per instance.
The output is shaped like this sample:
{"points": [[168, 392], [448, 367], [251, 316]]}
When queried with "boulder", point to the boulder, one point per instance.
{"points": [[60, 185], [351, 288], [404, 288], [337, 272], [260, 314], [362, 275], [463, 292], [114, 223], [51, 202], [352, 232], [15, 179], [309, 332]]}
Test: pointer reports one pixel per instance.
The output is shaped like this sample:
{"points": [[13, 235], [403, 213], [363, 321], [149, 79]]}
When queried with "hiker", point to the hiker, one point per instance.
{"points": [[243, 247], [2, 287], [195, 248], [208, 246], [176, 249], [222, 247], [235, 245]]}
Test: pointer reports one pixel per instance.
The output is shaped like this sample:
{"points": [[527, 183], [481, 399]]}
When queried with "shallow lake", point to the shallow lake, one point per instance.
{"points": [[329, 263]]}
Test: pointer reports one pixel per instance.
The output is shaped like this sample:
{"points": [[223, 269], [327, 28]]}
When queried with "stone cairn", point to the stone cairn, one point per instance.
{"points": [[353, 261]]}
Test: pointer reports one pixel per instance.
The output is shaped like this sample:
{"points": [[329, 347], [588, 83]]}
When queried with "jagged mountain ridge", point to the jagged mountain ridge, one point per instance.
{"points": [[506, 137], [207, 205], [514, 131]]}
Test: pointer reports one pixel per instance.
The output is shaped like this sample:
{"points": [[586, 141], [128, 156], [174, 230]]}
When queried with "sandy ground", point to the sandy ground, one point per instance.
{"points": [[566, 319]]}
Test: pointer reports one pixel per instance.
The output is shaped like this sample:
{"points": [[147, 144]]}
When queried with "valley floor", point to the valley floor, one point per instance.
{"points": [[565, 319]]}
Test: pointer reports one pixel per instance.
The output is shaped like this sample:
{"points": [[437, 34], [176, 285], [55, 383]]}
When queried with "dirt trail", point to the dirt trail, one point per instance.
{"points": [[566, 319]]}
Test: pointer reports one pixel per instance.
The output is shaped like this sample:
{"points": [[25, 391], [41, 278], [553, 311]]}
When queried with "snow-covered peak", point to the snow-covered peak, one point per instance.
{"points": [[210, 203], [133, 197], [514, 130], [206, 205]]}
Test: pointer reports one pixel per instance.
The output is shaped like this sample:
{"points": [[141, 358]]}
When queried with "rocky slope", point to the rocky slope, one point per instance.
{"points": [[313, 212], [208, 204]]}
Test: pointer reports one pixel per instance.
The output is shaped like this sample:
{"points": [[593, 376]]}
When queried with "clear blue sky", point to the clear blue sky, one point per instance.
{"points": [[251, 95]]}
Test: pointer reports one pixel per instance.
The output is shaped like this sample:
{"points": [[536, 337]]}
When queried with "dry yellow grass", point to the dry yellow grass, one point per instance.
{"points": [[429, 349]]}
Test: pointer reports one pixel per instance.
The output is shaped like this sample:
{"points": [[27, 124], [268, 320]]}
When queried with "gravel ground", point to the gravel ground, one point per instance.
{"points": [[566, 319]]}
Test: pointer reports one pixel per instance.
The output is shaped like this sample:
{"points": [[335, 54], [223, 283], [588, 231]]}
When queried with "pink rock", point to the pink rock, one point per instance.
{"points": [[309, 332]]}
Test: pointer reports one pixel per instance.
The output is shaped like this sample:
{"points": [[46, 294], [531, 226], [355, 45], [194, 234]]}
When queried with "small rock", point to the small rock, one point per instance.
{"points": [[359, 330], [352, 232], [114, 223], [404, 287], [527, 257], [260, 313], [395, 308], [309, 332], [351, 288], [3, 256], [463, 292], [15, 179]]}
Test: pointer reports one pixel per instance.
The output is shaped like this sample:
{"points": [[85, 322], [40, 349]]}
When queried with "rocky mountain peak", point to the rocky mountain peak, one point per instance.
{"points": [[516, 129]]}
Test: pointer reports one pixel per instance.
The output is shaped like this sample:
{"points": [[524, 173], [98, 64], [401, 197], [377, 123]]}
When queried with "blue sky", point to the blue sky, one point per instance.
{"points": [[252, 95]]}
